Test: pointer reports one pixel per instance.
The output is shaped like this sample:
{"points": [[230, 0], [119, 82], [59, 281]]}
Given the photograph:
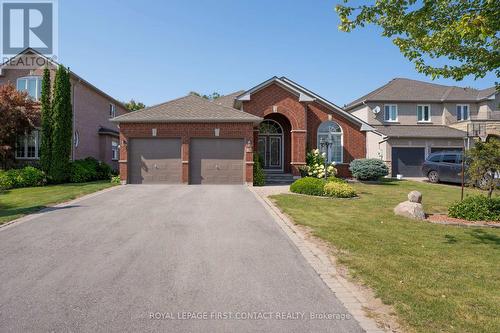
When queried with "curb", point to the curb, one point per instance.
{"points": [[320, 262], [48, 209]]}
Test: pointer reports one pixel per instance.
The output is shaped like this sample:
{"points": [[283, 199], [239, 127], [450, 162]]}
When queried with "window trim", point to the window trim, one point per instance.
{"points": [[429, 120], [341, 134], [462, 112], [112, 110], [385, 113], [37, 146], [115, 148], [38, 86]]}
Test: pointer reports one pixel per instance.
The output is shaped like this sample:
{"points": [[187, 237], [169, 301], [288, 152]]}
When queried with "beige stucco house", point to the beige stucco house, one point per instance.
{"points": [[413, 119]]}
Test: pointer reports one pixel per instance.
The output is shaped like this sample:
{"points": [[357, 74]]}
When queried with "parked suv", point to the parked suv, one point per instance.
{"points": [[443, 166]]}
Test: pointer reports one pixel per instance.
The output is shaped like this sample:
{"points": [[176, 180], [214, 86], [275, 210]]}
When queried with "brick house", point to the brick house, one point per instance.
{"points": [[197, 141], [93, 134]]}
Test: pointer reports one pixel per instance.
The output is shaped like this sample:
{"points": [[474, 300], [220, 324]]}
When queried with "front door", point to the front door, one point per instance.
{"points": [[271, 151]]}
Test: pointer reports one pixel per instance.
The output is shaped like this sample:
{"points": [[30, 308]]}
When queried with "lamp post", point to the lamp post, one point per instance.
{"points": [[325, 144]]}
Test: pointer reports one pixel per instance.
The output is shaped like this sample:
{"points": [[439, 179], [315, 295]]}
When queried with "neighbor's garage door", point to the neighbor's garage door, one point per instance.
{"points": [[216, 161], [407, 161], [154, 161]]}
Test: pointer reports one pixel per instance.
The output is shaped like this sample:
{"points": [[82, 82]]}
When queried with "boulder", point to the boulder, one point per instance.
{"points": [[413, 210], [415, 196]]}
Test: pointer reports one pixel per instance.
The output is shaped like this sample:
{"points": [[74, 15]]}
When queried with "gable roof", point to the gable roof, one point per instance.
{"points": [[189, 108], [407, 90], [73, 74], [304, 95]]}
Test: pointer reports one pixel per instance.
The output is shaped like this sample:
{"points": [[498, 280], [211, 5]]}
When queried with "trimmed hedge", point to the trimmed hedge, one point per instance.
{"points": [[26, 177], [89, 169], [308, 185], [476, 208], [368, 169], [339, 190]]}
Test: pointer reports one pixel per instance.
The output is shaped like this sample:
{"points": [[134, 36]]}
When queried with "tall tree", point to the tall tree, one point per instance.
{"points": [[18, 117], [134, 106], [464, 33], [62, 129], [211, 96], [46, 113]]}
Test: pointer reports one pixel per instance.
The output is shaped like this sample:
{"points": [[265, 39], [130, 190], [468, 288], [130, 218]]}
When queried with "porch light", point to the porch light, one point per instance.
{"points": [[324, 145]]}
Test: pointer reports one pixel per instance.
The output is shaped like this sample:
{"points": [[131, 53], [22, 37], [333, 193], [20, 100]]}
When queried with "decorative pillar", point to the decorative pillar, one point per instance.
{"points": [[185, 159], [122, 162]]}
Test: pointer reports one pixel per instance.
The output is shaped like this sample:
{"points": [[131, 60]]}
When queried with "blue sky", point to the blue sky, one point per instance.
{"points": [[154, 51]]}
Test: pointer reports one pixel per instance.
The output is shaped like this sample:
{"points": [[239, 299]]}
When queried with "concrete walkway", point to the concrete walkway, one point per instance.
{"points": [[161, 258]]}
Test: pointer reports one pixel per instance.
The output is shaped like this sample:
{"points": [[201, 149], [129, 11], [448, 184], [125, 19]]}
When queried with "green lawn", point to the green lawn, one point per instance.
{"points": [[18, 202], [438, 278]]}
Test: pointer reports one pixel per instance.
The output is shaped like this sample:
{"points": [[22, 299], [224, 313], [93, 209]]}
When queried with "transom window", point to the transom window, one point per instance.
{"points": [[462, 112], [32, 85], [28, 146], [270, 127], [391, 112], [424, 113], [331, 131], [114, 150]]}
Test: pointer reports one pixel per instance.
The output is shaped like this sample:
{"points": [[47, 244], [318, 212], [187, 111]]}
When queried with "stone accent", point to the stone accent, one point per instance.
{"points": [[411, 210], [415, 196]]}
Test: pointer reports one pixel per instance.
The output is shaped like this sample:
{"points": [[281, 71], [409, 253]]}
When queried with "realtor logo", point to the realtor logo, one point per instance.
{"points": [[29, 24]]}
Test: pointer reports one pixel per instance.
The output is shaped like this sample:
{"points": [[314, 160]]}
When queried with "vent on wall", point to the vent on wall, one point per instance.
{"points": [[153, 131]]}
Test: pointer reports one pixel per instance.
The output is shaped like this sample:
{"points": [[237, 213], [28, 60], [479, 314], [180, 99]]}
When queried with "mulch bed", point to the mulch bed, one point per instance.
{"points": [[445, 219]]}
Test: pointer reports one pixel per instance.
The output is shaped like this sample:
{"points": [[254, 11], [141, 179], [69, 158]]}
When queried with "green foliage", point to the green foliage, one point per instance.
{"points": [[134, 106], [89, 169], [484, 162], [26, 177], [368, 169], [259, 178], [336, 180], [476, 208], [339, 190], [316, 165], [211, 96], [62, 120], [115, 180], [46, 112], [463, 32], [308, 185]]}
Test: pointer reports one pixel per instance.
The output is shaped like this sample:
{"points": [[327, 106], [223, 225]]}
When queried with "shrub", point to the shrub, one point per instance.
{"points": [[308, 185], [316, 165], [259, 178], [339, 190], [336, 180], [26, 177], [476, 208], [89, 169], [368, 169], [115, 180]]}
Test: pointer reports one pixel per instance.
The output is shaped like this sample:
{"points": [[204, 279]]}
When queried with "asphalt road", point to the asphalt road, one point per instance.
{"points": [[161, 258]]}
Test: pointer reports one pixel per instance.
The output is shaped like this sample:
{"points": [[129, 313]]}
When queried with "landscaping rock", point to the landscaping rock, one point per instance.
{"points": [[415, 196], [413, 210]]}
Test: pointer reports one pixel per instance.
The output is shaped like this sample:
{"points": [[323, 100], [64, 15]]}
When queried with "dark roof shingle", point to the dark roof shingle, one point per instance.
{"points": [[420, 131], [190, 108]]}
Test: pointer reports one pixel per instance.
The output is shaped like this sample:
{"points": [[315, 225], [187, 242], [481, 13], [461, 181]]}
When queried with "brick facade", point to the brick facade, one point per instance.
{"points": [[186, 131], [300, 122]]}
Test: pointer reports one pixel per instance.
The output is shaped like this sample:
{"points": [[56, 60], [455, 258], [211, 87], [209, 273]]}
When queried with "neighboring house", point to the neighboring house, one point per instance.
{"points": [[198, 141], [93, 134], [413, 119]]}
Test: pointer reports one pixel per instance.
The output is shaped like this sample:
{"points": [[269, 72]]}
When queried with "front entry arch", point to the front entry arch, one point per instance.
{"points": [[271, 145]]}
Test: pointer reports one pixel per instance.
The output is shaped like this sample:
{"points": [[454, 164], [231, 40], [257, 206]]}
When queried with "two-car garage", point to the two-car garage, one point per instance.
{"points": [[190, 140], [211, 161]]}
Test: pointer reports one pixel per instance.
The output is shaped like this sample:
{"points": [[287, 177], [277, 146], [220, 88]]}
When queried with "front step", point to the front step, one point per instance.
{"points": [[278, 178]]}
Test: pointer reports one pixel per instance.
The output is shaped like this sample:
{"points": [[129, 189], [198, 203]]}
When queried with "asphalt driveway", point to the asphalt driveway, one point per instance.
{"points": [[149, 258]]}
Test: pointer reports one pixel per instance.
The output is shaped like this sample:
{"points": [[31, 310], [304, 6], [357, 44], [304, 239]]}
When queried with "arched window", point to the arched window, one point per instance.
{"points": [[330, 131], [269, 126]]}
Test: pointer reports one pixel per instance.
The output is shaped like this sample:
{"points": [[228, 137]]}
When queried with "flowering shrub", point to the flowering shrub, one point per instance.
{"points": [[316, 165], [339, 190]]}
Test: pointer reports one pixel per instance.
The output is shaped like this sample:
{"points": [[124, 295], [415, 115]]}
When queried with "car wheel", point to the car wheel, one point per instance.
{"points": [[433, 177]]}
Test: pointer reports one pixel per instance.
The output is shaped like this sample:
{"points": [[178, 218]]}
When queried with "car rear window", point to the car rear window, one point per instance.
{"points": [[435, 158]]}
